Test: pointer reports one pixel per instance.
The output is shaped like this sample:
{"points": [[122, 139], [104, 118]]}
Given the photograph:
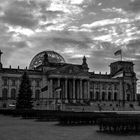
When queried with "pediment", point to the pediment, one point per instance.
{"points": [[70, 70]]}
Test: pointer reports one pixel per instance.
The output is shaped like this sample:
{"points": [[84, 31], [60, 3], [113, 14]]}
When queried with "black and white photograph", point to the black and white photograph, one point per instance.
{"points": [[69, 69]]}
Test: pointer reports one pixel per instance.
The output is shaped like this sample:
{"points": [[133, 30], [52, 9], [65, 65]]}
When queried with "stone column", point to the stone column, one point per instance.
{"points": [[85, 90], [9, 88], [74, 91], [106, 89], [94, 93], [112, 90], [100, 93], [51, 89], [81, 91], [134, 88], [88, 89], [58, 85], [17, 89], [121, 90], [78, 89], [66, 88]]}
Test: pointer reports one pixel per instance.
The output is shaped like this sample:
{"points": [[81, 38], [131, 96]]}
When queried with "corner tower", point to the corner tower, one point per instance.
{"points": [[85, 65], [126, 66], [128, 77]]}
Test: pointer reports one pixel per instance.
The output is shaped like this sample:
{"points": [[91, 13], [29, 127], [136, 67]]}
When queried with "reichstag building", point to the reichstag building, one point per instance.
{"points": [[54, 82]]}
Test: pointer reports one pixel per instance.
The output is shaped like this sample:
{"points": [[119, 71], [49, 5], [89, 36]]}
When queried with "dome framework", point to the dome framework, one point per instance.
{"points": [[53, 57]]}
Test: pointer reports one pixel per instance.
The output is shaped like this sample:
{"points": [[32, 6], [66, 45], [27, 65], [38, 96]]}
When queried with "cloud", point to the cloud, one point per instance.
{"points": [[115, 10], [18, 44], [106, 22], [133, 46], [134, 6], [72, 28], [18, 13]]}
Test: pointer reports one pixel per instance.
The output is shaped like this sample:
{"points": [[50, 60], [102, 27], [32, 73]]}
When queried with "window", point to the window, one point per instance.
{"points": [[13, 94], [97, 86], [5, 82], [4, 105], [110, 87], [91, 85], [109, 96], [128, 97], [13, 82], [37, 83], [37, 94], [103, 96], [104, 87], [97, 96], [115, 96], [91, 95], [115, 87], [5, 94]]}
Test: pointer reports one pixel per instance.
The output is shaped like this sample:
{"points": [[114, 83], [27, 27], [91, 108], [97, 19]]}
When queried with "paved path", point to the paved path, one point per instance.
{"points": [[19, 129]]}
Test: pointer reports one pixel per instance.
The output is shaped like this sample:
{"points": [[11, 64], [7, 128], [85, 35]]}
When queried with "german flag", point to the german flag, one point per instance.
{"points": [[44, 88]]}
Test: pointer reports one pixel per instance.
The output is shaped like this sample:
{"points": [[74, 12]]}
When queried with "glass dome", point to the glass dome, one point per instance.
{"points": [[53, 57]]}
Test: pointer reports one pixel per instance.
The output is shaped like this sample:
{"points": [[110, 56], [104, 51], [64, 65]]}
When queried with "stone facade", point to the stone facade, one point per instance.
{"points": [[76, 84]]}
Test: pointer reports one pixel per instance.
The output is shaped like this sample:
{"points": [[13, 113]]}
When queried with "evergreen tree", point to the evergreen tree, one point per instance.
{"points": [[24, 99]]}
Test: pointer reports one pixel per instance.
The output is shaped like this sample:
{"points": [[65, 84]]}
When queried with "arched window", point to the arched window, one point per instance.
{"points": [[5, 94], [4, 105], [37, 94], [109, 96], [128, 97], [104, 86], [13, 93], [115, 96], [91, 95], [37, 83], [110, 87], [13, 82], [97, 96], [5, 82], [103, 96], [115, 87]]}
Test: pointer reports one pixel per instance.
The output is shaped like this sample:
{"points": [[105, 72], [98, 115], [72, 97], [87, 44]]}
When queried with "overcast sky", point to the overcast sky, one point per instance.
{"points": [[73, 28]]}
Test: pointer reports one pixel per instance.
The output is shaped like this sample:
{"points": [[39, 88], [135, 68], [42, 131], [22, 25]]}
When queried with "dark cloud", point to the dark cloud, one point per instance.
{"points": [[134, 46], [63, 39], [133, 6], [18, 44], [19, 13], [73, 42]]}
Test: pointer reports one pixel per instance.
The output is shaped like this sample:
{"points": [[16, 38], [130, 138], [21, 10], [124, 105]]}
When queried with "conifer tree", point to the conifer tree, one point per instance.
{"points": [[24, 99]]}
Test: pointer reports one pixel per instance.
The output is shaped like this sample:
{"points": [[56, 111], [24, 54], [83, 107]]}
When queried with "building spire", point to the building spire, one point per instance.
{"points": [[84, 64], [0, 59]]}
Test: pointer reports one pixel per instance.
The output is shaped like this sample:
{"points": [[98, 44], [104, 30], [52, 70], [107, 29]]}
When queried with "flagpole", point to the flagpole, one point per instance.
{"points": [[121, 55]]}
